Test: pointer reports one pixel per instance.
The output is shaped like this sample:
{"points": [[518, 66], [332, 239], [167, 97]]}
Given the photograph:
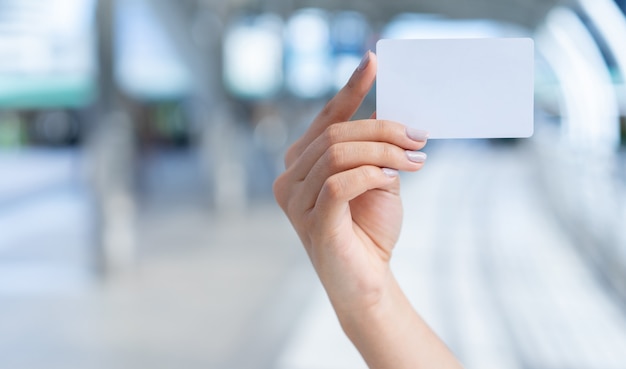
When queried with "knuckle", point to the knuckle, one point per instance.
{"points": [[387, 152], [383, 128], [333, 187], [327, 110], [355, 88], [379, 125], [333, 134], [335, 155], [367, 174], [351, 84], [279, 189], [292, 153], [292, 204]]}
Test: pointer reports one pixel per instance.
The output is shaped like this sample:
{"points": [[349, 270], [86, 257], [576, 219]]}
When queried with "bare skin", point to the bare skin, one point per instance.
{"points": [[344, 202]]}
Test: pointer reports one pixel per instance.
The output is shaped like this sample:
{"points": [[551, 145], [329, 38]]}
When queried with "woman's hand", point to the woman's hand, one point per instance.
{"points": [[341, 192]]}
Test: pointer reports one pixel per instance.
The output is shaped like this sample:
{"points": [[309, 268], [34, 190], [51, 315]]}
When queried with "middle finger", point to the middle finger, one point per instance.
{"points": [[369, 130]]}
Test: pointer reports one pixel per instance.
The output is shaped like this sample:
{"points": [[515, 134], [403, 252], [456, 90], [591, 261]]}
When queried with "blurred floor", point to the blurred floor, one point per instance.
{"points": [[44, 221], [481, 257], [204, 290]]}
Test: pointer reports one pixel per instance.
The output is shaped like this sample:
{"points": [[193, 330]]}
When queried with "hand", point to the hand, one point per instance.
{"points": [[341, 191], [342, 197]]}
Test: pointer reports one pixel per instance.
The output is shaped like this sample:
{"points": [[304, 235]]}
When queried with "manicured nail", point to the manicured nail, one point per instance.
{"points": [[416, 134], [416, 156], [390, 172], [364, 62]]}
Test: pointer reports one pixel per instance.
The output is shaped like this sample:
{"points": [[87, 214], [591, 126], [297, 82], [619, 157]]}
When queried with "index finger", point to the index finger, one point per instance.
{"points": [[341, 107]]}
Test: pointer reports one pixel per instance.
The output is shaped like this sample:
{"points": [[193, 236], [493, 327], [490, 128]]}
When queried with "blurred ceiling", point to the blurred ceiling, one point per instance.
{"points": [[208, 16], [523, 12]]}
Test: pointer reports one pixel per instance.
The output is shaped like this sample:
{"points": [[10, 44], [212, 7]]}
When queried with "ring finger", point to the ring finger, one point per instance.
{"points": [[349, 155]]}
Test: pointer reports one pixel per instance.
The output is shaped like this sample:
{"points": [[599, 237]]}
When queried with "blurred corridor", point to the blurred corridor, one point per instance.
{"points": [[139, 140]]}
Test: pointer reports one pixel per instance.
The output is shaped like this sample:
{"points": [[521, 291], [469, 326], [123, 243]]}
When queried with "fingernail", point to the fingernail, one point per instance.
{"points": [[364, 62], [416, 134], [390, 172], [416, 156]]}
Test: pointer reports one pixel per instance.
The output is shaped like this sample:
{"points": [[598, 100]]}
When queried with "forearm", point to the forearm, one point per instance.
{"points": [[392, 335]]}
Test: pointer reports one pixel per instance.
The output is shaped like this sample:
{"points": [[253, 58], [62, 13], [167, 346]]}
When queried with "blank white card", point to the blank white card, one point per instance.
{"points": [[458, 88]]}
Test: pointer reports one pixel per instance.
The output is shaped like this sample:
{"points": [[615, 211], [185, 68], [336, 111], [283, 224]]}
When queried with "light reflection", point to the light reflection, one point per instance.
{"points": [[590, 106], [47, 53], [253, 56], [308, 53], [146, 63]]}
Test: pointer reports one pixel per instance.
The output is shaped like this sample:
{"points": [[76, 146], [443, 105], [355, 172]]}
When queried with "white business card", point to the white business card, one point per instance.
{"points": [[458, 88]]}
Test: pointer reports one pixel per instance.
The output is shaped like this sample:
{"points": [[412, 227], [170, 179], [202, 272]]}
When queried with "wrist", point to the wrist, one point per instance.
{"points": [[363, 298], [390, 334], [382, 308]]}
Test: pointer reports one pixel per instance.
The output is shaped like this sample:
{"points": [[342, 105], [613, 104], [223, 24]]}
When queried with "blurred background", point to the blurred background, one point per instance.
{"points": [[139, 140]]}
